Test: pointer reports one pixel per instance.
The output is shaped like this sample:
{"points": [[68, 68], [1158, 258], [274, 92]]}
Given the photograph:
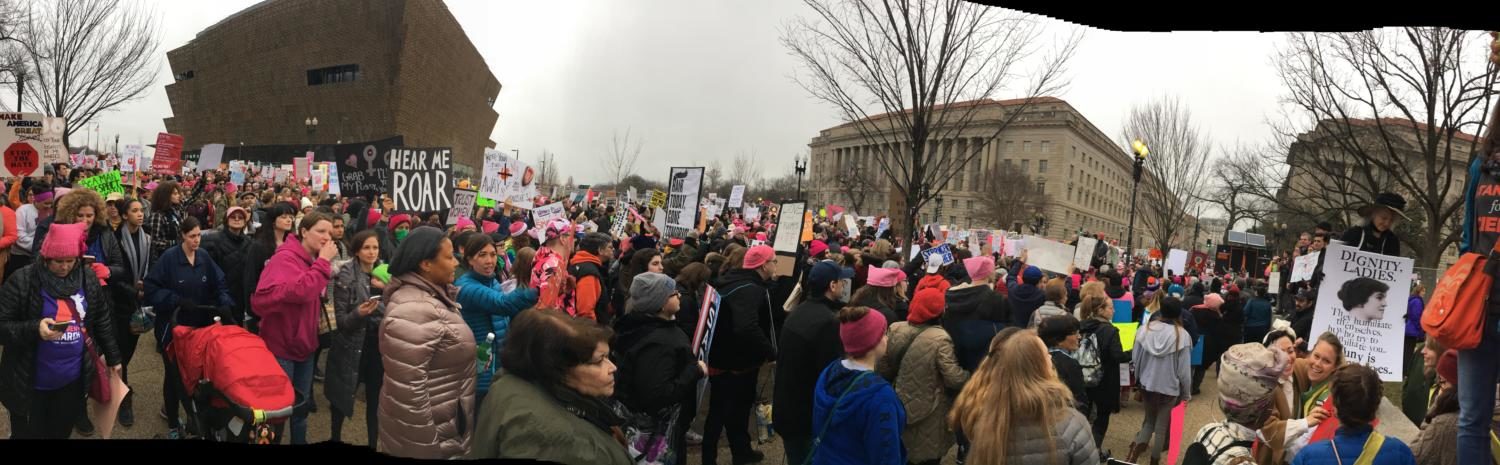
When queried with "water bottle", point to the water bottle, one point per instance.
{"points": [[486, 352]]}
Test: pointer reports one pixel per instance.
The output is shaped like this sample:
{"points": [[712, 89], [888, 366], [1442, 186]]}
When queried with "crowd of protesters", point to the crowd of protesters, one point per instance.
{"points": [[572, 340]]}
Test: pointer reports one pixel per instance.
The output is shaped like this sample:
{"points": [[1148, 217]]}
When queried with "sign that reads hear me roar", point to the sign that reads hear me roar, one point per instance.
{"points": [[421, 178]]}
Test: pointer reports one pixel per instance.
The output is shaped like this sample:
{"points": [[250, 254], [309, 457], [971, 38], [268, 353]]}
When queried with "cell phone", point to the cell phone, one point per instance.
{"points": [[88, 259], [60, 326], [373, 298]]}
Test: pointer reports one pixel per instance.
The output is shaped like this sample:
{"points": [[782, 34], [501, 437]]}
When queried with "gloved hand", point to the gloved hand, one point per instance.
{"points": [[101, 271]]}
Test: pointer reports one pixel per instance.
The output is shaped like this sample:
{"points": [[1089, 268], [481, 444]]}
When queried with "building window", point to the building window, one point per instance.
{"points": [[953, 204], [952, 219], [1025, 165], [1046, 146], [185, 75], [1026, 146], [1041, 187], [1010, 146], [1041, 166], [332, 74], [970, 204]]}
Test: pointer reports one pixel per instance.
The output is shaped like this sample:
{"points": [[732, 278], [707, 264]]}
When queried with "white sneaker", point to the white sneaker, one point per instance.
{"points": [[694, 438]]}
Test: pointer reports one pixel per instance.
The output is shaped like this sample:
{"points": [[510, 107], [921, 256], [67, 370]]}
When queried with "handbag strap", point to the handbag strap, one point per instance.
{"points": [[828, 421]]}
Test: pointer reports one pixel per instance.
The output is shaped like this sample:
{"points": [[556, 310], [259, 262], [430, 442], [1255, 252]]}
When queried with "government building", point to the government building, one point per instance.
{"points": [[363, 70], [1085, 176]]}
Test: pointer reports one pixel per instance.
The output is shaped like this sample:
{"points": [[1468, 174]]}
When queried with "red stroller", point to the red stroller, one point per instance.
{"points": [[237, 389]]}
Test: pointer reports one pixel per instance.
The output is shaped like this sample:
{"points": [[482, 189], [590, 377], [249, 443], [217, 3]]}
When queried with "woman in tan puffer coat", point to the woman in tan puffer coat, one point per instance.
{"points": [[924, 370], [427, 408]]}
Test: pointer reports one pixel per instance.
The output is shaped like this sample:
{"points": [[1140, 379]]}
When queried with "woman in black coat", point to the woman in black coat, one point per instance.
{"points": [[1097, 315], [85, 206], [658, 372], [45, 400]]}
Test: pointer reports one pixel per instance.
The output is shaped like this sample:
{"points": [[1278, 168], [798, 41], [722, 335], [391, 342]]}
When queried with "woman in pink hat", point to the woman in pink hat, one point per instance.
{"points": [[884, 292]]}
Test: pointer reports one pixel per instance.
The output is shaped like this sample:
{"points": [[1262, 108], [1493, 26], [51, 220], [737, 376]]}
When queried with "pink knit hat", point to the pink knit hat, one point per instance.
{"points": [[463, 222], [758, 256], [489, 227], [862, 335], [1213, 301], [979, 268], [517, 228], [885, 277], [65, 241]]}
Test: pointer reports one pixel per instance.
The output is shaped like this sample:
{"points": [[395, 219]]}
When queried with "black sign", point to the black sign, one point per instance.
{"points": [[363, 171], [421, 178]]}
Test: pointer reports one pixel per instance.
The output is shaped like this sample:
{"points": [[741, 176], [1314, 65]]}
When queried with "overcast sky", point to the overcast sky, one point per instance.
{"points": [[705, 80]]}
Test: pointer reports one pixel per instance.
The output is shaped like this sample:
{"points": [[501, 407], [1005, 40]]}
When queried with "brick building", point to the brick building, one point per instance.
{"points": [[365, 69]]}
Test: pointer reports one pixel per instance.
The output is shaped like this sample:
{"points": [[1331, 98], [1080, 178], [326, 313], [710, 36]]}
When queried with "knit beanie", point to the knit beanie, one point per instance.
{"points": [[1213, 301], [1250, 373], [65, 241], [649, 292], [1448, 366], [926, 305], [861, 336], [1032, 275]]}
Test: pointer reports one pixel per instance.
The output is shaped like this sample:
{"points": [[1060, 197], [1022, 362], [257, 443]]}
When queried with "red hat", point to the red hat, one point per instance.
{"points": [[817, 247], [926, 305], [1448, 366], [758, 256], [675, 242], [517, 228], [396, 221]]}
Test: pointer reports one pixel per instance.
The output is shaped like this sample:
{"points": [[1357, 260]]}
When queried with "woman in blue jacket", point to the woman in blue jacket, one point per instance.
{"points": [[485, 307], [857, 418], [182, 281]]}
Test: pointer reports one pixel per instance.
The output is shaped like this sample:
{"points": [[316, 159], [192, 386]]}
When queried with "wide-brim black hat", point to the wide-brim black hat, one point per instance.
{"points": [[1388, 200]]}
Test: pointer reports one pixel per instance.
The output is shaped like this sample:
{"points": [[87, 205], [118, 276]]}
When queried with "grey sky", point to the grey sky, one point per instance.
{"points": [[706, 80]]}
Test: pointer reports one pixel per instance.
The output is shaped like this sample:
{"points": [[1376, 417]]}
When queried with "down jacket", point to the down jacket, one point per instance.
{"points": [[926, 380], [487, 309], [20, 320], [1072, 441], [351, 287], [427, 398]]}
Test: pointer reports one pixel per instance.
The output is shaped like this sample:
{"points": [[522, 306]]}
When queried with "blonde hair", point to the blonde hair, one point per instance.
{"points": [[1091, 306], [1014, 385], [1153, 303], [881, 249], [1092, 288]]}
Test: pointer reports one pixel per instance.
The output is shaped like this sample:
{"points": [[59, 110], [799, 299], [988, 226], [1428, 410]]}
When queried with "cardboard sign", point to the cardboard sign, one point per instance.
{"points": [[463, 205], [851, 226], [1303, 266], [1127, 335], [737, 197], [630, 195], [1177, 261], [545, 213], [421, 178], [333, 179], [1124, 311], [659, 220], [751, 213], [104, 184], [237, 172], [789, 227], [210, 157], [168, 158], [1362, 300], [1273, 283], [1048, 254], [1083, 254], [28, 142], [885, 224]]}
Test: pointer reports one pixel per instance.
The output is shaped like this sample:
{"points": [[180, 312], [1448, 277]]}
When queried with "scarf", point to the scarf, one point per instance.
{"points": [[64, 286], [605, 413], [134, 245]]}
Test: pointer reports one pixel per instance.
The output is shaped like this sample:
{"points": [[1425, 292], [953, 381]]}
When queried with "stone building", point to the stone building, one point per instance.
{"points": [[365, 69], [1084, 173]]}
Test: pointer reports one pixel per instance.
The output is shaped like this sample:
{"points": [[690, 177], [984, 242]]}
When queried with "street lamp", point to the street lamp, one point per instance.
{"points": [[312, 130], [799, 165], [1140, 160]]}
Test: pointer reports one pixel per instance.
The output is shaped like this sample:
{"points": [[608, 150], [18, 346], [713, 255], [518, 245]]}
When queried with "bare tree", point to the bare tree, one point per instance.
{"points": [[745, 169], [1008, 196], [714, 175], [620, 160], [1387, 110], [926, 68], [858, 184], [1233, 183], [1174, 170], [547, 172], [88, 56]]}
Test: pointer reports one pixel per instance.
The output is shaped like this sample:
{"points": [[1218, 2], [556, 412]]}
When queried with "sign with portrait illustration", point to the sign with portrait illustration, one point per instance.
{"points": [[1362, 300]]}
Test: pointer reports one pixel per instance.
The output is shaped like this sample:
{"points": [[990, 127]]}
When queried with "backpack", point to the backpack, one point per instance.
{"points": [[1087, 356], [1455, 316], [1197, 453]]}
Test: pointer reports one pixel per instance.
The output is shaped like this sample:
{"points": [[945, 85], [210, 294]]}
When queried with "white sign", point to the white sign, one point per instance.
{"points": [[52, 148], [541, 215], [852, 226], [659, 220], [682, 202], [751, 214], [333, 179], [1302, 267], [1273, 283], [630, 195], [131, 158], [1177, 261], [1083, 255], [210, 157], [507, 180], [463, 205], [1362, 300], [490, 183], [737, 197], [789, 227], [1048, 254]]}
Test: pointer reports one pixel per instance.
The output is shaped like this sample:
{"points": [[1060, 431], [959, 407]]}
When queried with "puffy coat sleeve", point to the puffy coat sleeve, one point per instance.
{"points": [[1079, 440], [16, 326], [588, 294], [883, 431], [954, 376], [409, 337], [347, 298], [8, 238], [495, 302], [281, 282], [659, 382]]}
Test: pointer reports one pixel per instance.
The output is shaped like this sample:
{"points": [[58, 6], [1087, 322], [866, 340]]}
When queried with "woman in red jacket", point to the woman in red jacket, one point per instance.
{"points": [[288, 301]]}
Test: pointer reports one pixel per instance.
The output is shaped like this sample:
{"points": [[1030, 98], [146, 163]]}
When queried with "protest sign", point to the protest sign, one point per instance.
{"points": [[751, 213], [541, 215], [491, 179], [421, 178], [737, 197], [319, 178], [658, 199], [365, 170], [1353, 304], [1273, 283], [508, 180], [168, 158], [1198, 260], [131, 158], [617, 225], [1302, 267], [210, 157], [1124, 311], [104, 184], [302, 169], [630, 195], [1083, 254], [682, 201], [51, 149], [789, 227], [659, 220], [1127, 335], [942, 254], [1048, 254], [22, 141], [1177, 261], [885, 224], [851, 225], [463, 205], [333, 179], [703, 333], [237, 172]]}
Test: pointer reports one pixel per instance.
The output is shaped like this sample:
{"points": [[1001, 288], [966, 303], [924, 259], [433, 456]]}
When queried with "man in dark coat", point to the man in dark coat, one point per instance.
{"points": [[812, 332], [742, 343]]}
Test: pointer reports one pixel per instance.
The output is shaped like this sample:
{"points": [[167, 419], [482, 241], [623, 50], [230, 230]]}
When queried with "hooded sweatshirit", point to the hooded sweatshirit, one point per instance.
{"points": [[865, 426], [975, 313], [1163, 360]]}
